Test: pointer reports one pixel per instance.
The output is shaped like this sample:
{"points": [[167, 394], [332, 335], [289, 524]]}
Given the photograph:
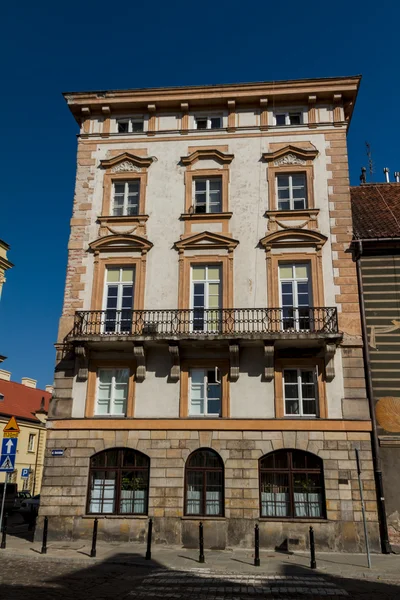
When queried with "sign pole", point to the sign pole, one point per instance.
{"points": [[3, 500], [363, 508]]}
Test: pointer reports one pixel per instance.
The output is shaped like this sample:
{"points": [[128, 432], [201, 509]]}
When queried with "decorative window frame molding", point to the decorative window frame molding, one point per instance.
{"points": [[94, 366], [186, 365], [300, 363], [290, 159]]}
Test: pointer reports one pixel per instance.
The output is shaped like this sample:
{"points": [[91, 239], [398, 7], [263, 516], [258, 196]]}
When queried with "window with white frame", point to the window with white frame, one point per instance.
{"points": [[205, 392], [208, 122], [291, 191], [288, 118], [126, 197], [31, 442], [112, 391], [207, 195], [130, 125], [300, 392]]}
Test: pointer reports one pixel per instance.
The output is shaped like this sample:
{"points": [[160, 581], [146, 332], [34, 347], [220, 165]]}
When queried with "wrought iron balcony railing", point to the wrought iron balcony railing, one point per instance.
{"points": [[210, 322]]}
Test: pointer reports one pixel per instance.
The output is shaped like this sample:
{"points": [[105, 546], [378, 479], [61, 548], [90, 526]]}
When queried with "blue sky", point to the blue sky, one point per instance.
{"points": [[49, 47]]}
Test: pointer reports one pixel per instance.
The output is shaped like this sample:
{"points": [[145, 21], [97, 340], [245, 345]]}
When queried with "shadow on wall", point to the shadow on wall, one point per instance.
{"points": [[130, 576]]}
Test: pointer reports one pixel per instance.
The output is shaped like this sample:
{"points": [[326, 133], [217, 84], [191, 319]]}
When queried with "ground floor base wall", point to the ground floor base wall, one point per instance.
{"points": [[65, 488]]}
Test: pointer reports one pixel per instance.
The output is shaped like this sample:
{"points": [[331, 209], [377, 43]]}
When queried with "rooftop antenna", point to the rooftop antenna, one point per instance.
{"points": [[370, 161], [386, 172], [363, 176]]}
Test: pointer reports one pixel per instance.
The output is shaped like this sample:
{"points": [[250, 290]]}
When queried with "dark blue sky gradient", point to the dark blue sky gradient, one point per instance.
{"points": [[49, 47]]}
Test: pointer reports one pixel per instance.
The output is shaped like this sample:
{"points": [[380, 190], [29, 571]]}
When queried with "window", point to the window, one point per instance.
{"points": [[112, 391], [118, 299], [295, 295], [31, 442], [288, 118], [291, 189], [206, 298], [204, 484], [205, 392], [208, 122], [208, 195], [129, 125], [118, 482], [126, 198], [300, 392], [291, 485]]}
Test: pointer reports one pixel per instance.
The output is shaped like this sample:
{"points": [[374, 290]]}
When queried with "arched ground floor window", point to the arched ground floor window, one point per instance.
{"points": [[118, 482], [292, 485], [204, 484]]}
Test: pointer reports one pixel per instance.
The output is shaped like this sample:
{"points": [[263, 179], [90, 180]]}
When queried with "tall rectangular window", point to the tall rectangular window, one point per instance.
{"points": [[292, 191], [205, 392], [208, 195], [118, 299], [295, 292], [126, 198], [112, 391], [206, 298], [300, 391], [31, 442]]}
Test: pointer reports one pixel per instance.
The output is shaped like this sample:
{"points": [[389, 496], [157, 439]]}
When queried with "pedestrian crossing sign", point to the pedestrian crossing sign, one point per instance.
{"points": [[11, 430], [7, 462]]}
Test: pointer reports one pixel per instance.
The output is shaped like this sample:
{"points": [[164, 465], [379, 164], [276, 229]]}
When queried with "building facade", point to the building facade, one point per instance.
{"points": [[209, 356], [5, 264], [29, 406], [376, 221]]}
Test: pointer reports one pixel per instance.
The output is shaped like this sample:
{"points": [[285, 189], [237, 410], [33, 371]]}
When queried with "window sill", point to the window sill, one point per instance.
{"points": [[122, 219], [110, 416], [207, 518], [207, 216], [295, 213], [104, 516], [293, 520], [31, 451]]}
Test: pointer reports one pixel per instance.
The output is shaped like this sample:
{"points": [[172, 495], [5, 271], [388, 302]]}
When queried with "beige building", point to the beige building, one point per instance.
{"points": [[29, 406], [209, 362], [5, 264]]}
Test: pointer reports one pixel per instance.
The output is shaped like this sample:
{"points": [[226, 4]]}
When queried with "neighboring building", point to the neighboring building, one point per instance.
{"points": [[29, 406], [209, 362], [376, 222], [5, 264]]}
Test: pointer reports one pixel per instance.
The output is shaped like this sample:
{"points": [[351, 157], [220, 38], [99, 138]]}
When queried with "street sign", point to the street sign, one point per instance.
{"points": [[57, 452], [11, 430], [25, 473], [9, 446], [7, 463]]}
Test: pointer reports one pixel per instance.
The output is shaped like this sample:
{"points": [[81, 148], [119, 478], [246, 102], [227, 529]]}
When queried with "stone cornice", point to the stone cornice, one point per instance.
{"points": [[207, 154], [128, 159]]}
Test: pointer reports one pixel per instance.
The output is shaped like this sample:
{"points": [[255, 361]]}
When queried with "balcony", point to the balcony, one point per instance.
{"points": [[247, 323]]}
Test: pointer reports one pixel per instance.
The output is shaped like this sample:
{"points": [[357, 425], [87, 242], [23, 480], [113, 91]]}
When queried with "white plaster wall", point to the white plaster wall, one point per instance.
{"points": [[250, 396], [156, 396]]}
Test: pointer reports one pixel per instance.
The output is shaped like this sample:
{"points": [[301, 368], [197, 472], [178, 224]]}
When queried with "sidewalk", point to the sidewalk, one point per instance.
{"points": [[237, 560]]}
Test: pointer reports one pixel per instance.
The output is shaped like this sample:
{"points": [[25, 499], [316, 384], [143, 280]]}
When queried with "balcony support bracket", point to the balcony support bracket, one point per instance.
{"points": [[81, 357], [234, 362], [139, 354], [269, 352], [330, 350], [175, 362]]}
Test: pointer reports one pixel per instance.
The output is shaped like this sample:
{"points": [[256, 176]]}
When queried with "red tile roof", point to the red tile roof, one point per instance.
{"points": [[376, 210], [21, 401]]}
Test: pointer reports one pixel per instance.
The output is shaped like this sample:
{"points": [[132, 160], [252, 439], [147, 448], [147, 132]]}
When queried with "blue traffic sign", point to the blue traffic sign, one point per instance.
{"points": [[25, 473], [57, 452], [8, 452]]}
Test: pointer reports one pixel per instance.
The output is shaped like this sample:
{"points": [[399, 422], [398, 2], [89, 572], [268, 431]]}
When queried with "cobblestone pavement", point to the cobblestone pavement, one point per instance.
{"points": [[41, 578]]}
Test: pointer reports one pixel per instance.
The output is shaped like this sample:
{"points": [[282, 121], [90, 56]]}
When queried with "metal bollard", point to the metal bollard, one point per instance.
{"points": [[4, 532], [256, 546], [94, 539], [201, 543], [44, 543], [149, 534], [313, 563]]}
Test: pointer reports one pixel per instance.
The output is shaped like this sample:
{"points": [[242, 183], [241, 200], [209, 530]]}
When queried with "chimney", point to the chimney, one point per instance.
{"points": [[5, 375], [49, 388], [363, 176], [397, 176], [386, 171], [31, 383]]}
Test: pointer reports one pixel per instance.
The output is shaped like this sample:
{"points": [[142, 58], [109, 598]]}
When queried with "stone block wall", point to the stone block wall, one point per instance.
{"points": [[65, 484]]}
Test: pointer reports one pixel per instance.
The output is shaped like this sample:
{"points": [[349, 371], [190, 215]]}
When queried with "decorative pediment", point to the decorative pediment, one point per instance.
{"points": [[293, 237], [127, 162], [121, 242], [207, 154], [206, 240], [290, 155]]}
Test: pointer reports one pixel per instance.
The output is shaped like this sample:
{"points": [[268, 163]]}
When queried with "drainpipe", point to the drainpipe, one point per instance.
{"points": [[384, 534]]}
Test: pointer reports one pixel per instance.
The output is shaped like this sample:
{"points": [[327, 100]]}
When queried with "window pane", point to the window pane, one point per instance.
{"points": [[201, 123], [131, 458], [283, 181], [102, 492], [121, 375], [123, 126], [213, 273], [286, 271], [214, 493], [200, 185], [194, 491], [127, 274], [290, 376], [215, 122], [133, 187], [198, 273], [133, 497], [215, 184], [275, 498], [295, 118], [119, 188], [283, 194], [301, 271], [137, 125], [112, 275], [280, 119]]}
